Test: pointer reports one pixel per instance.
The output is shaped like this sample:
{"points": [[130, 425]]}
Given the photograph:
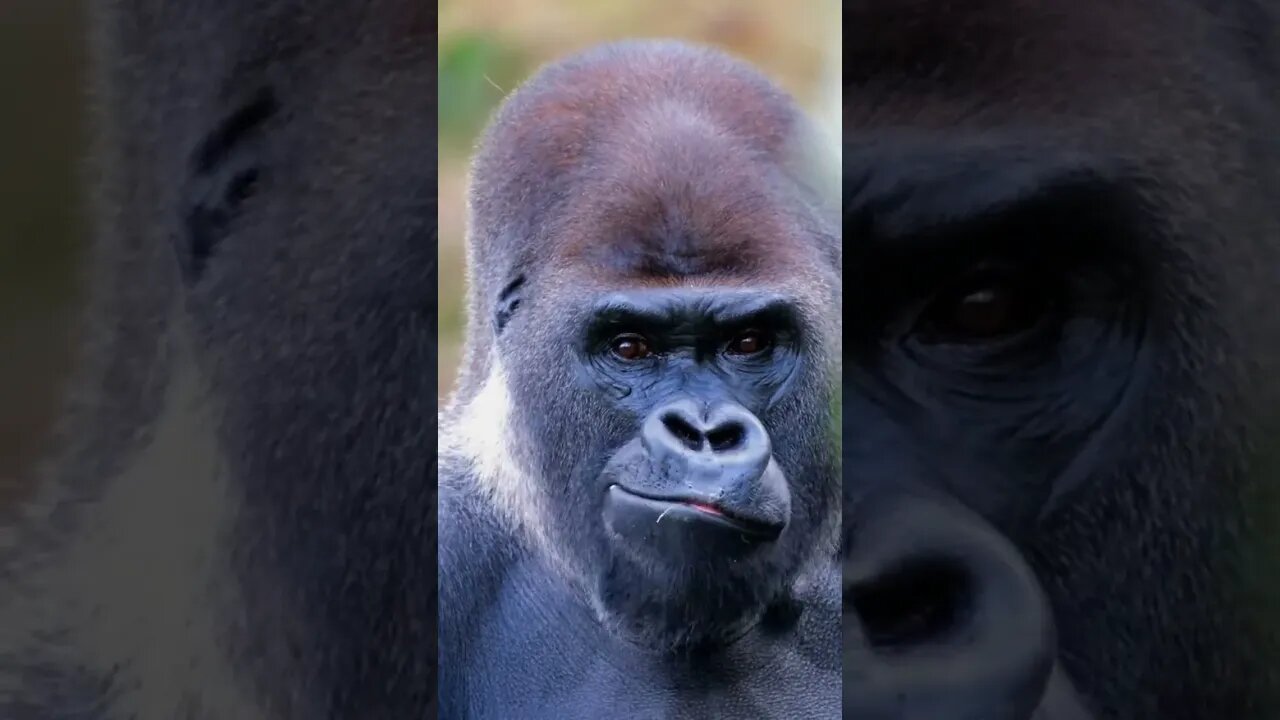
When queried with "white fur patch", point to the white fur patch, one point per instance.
{"points": [[484, 435]]}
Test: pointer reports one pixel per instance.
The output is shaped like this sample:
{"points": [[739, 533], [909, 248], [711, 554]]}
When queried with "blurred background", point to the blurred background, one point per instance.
{"points": [[42, 135], [487, 47]]}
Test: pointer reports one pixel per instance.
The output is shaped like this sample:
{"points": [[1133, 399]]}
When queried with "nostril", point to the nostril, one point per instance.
{"points": [[726, 437], [682, 430], [921, 601]]}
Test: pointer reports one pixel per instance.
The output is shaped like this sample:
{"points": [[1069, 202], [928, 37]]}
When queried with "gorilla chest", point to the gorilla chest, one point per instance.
{"points": [[540, 654]]}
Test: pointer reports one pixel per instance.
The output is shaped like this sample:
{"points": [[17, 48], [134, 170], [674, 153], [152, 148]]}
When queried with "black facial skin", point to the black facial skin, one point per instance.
{"points": [[652, 370], [1059, 395], [1028, 297], [696, 490], [1006, 357]]}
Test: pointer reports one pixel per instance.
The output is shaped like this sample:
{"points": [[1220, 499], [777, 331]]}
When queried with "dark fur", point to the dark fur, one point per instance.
{"points": [[632, 166], [1137, 477], [241, 522]]}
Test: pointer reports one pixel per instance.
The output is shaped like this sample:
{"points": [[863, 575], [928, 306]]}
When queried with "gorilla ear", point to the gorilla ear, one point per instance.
{"points": [[508, 301], [225, 171]]}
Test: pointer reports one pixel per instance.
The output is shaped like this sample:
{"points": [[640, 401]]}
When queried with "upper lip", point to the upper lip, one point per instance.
{"points": [[745, 522]]}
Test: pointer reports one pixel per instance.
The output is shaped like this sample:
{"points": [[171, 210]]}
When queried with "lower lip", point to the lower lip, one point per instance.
{"points": [[708, 509]]}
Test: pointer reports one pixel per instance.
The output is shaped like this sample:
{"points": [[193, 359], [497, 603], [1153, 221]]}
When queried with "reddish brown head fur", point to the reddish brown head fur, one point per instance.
{"points": [[642, 162]]}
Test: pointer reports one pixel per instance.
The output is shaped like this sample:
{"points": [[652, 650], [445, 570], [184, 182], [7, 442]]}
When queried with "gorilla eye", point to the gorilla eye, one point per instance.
{"points": [[630, 347], [749, 343], [986, 306]]}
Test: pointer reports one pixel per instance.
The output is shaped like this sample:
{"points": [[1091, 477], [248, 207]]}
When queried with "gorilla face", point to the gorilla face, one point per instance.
{"points": [[697, 368], [1002, 318], [697, 486], [1005, 327], [680, 452]]}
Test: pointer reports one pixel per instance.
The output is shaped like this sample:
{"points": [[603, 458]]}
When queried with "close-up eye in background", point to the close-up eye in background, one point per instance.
{"points": [[986, 304]]}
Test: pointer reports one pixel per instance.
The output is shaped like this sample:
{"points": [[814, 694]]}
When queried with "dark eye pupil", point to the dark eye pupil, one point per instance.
{"points": [[630, 347], [988, 306], [748, 344], [986, 312]]}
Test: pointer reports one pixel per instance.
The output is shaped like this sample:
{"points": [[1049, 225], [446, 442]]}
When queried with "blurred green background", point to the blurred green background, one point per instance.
{"points": [[487, 47]]}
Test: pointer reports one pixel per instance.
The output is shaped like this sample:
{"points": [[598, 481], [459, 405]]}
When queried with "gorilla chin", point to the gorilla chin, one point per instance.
{"points": [[694, 508]]}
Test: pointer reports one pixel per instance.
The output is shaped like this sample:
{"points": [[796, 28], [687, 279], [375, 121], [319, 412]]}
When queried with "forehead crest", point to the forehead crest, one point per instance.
{"points": [[641, 160]]}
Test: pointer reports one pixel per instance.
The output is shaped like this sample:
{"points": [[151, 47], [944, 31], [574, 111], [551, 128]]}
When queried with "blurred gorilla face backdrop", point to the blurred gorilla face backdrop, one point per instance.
{"points": [[1059, 389]]}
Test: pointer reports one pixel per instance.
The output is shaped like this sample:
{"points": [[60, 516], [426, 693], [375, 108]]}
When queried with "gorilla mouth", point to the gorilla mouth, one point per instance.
{"points": [[695, 509]]}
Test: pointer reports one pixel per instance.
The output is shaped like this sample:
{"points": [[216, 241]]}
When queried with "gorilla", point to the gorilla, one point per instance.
{"points": [[639, 495], [1059, 396], [240, 519]]}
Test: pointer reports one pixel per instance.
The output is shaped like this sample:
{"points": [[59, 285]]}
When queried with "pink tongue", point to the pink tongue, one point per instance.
{"points": [[707, 508]]}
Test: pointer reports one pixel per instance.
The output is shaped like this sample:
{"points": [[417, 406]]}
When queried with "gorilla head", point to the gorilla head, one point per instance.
{"points": [[1062, 233], [652, 342]]}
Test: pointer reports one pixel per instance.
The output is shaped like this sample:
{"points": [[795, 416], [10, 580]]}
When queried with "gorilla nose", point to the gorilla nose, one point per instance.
{"points": [[726, 440], [700, 483], [942, 618]]}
